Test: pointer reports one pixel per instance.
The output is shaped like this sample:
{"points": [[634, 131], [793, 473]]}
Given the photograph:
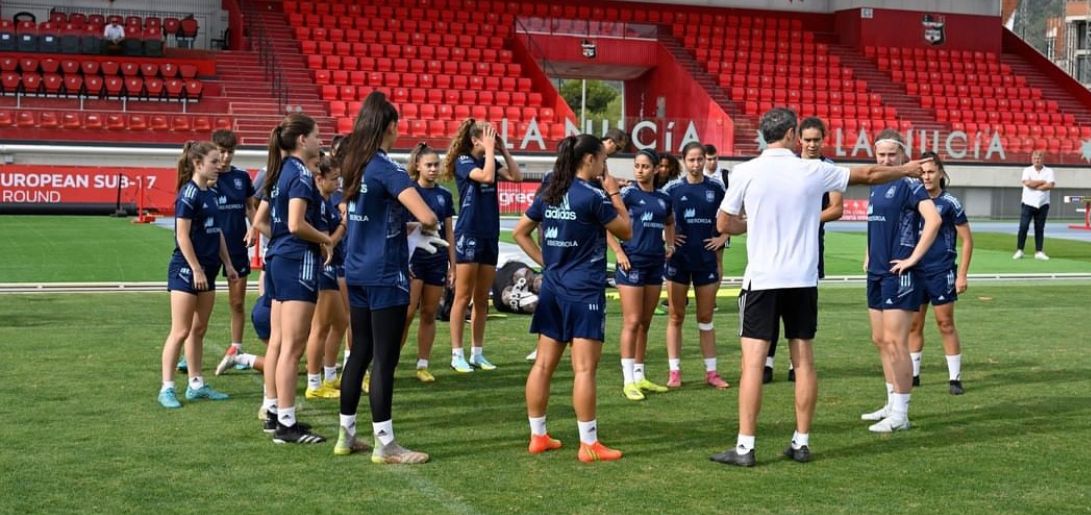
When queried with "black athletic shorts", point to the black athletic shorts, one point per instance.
{"points": [[761, 311]]}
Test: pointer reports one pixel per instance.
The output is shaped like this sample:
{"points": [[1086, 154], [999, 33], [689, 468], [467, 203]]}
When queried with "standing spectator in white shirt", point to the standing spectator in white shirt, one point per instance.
{"points": [[776, 199], [1037, 182], [712, 166]]}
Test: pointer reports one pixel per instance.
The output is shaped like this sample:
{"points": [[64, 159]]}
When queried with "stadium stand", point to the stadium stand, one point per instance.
{"points": [[441, 61]]}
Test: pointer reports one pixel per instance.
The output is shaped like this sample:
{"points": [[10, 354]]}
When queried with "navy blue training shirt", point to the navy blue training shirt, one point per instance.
{"points": [[201, 209], [695, 207], [233, 190], [574, 241], [479, 212], [941, 255], [295, 181], [442, 203], [648, 212], [893, 227], [376, 250]]}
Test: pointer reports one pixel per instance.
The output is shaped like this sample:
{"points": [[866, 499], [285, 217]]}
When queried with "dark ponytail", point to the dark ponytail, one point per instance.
{"points": [[283, 139], [419, 150], [192, 151], [569, 155], [939, 166], [365, 140]]}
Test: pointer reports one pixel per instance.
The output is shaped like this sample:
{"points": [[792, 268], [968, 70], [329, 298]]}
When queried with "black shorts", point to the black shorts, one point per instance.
{"points": [[761, 311]]}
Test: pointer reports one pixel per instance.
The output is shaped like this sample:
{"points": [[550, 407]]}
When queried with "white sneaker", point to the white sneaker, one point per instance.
{"points": [[889, 425], [1018, 255], [1041, 256], [533, 356], [876, 415]]}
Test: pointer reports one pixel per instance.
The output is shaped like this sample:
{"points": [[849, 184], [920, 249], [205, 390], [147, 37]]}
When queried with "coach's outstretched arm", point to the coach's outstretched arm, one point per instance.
{"points": [[875, 174]]}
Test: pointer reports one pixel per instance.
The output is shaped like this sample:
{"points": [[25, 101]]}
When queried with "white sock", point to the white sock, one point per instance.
{"points": [[954, 367], [588, 432], [744, 444], [900, 405], [349, 423], [345, 363], [422, 363], [384, 431], [537, 426], [800, 439], [458, 353], [197, 382], [674, 364], [889, 394], [314, 381], [329, 373], [790, 367], [167, 385], [237, 346], [638, 372], [476, 352], [710, 364], [286, 416], [627, 370], [769, 362], [269, 405], [916, 357], [246, 360]]}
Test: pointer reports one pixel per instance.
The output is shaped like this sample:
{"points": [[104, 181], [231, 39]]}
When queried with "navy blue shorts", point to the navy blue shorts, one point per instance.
{"points": [[895, 291], [564, 320], [678, 275], [180, 277], [377, 297], [939, 288], [241, 262], [650, 275], [292, 278], [472, 249], [327, 280], [433, 273], [261, 316]]}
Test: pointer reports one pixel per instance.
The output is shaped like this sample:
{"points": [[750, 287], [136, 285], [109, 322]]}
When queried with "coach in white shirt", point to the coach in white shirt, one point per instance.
{"points": [[1037, 182], [776, 199]]}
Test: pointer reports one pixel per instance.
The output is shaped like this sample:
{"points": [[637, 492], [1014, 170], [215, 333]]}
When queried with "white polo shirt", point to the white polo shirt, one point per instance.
{"points": [[781, 195], [1033, 197]]}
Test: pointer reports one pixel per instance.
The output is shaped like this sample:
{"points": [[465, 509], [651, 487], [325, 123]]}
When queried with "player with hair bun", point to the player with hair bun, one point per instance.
{"points": [[639, 269], [695, 199], [430, 273]]}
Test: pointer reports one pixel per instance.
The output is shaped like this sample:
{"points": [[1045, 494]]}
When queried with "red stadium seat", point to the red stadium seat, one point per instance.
{"points": [[114, 86], [134, 86], [26, 119], [137, 122], [49, 120], [202, 124], [53, 83], [115, 122], [194, 89], [180, 123], [71, 120], [158, 122], [188, 71]]}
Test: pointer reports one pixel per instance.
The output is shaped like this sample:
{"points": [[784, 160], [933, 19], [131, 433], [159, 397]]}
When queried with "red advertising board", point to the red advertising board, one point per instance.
{"points": [[855, 210], [48, 184], [515, 197]]}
